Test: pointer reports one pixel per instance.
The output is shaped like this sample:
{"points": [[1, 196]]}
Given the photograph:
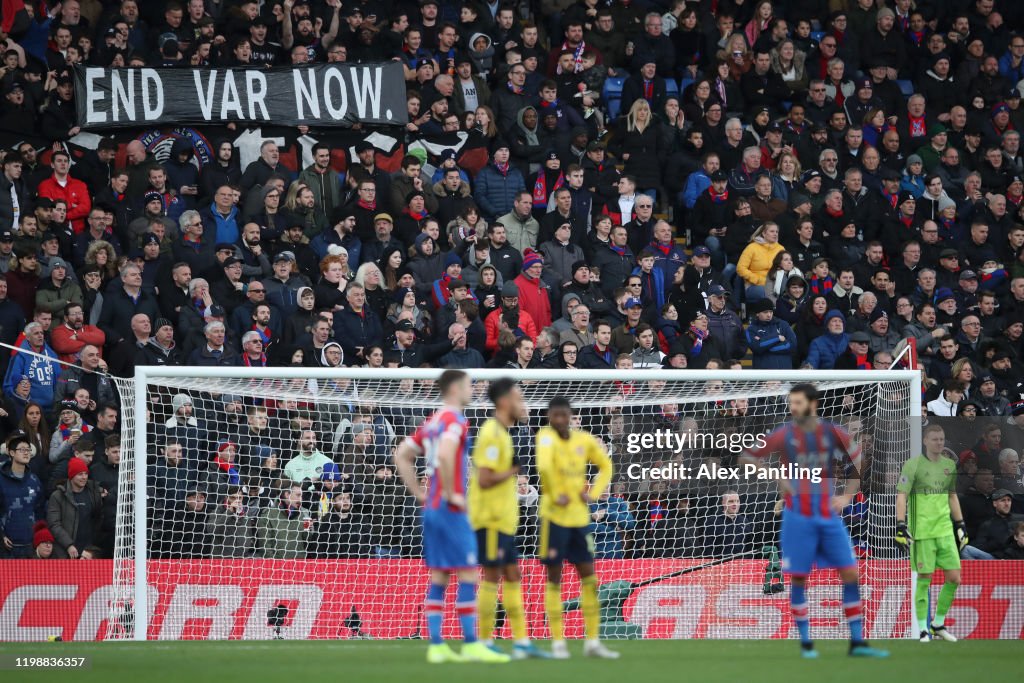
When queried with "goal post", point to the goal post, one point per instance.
{"points": [[647, 547]]}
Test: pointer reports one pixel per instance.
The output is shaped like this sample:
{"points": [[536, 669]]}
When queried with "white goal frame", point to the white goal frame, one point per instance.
{"points": [[143, 375]]}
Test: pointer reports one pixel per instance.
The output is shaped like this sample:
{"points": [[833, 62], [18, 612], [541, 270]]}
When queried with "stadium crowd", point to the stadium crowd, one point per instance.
{"points": [[801, 184]]}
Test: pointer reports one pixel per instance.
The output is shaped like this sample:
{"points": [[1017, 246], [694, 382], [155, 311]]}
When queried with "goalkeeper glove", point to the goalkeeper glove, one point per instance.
{"points": [[903, 536], [960, 530]]}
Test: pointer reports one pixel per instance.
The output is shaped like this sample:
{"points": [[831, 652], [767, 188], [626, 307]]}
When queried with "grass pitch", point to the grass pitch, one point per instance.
{"points": [[652, 660]]}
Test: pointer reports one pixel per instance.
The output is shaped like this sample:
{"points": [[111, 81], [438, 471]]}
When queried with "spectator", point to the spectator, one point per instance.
{"points": [[826, 349], [308, 462], [730, 531], [498, 184], [32, 376], [757, 258], [229, 529], [610, 523], [74, 512], [1014, 548], [281, 530], [976, 502], [996, 531], [22, 502], [74, 334], [771, 340], [120, 305], [600, 355], [947, 404], [90, 374]]}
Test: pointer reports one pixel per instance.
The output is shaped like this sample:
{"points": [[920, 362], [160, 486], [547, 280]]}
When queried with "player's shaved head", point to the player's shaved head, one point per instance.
{"points": [[500, 388]]}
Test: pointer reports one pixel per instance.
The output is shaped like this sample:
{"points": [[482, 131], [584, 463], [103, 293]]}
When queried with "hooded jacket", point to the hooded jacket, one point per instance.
{"points": [[829, 346], [22, 503], [770, 352], [41, 373], [756, 260], [182, 173]]}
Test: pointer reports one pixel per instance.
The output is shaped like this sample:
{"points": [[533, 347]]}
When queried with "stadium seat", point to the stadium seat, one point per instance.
{"points": [[817, 36], [906, 87], [672, 88], [612, 94], [684, 84]]}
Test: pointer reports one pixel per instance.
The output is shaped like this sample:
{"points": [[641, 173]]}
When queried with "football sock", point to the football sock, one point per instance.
{"points": [[798, 606], [591, 606], [465, 607], [944, 602], [921, 602], [512, 597], [553, 607], [487, 606], [433, 608], [854, 611]]}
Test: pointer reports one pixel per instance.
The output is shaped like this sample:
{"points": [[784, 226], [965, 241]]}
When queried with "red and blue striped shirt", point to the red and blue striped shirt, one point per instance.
{"points": [[446, 423]]}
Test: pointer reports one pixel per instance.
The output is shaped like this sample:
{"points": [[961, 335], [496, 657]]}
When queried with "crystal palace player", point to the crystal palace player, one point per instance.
{"points": [[449, 545], [928, 484], [494, 514], [563, 457], [813, 533]]}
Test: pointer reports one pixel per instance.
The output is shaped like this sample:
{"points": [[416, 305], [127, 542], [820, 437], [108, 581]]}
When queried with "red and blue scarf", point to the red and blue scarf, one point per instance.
{"points": [[65, 431]]}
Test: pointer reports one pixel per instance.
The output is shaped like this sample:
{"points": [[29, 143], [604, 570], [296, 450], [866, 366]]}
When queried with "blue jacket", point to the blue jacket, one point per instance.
{"points": [[22, 503], [1008, 71], [41, 373], [609, 533], [914, 184], [495, 191], [695, 186], [828, 347], [223, 229], [352, 330], [770, 353]]}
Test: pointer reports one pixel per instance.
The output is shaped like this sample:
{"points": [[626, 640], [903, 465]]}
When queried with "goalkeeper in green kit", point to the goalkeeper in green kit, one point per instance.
{"points": [[925, 503]]}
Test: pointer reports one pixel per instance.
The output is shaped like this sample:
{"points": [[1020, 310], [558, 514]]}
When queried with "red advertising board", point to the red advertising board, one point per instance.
{"points": [[230, 599]]}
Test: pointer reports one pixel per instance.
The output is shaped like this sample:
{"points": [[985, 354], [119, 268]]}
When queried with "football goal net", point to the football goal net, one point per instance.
{"points": [[260, 504]]}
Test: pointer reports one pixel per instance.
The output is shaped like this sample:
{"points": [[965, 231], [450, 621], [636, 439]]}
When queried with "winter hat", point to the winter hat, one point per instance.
{"points": [[180, 400], [760, 306], [532, 258], [945, 202], [905, 196], [41, 534], [943, 294], [76, 466], [419, 153], [510, 290], [1000, 107], [331, 472], [420, 239], [914, 159], [224, 445], [399, 295], [162, 322], [834, 314], [579, 264], [452, 259], [70, 404], [877, 313]]}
